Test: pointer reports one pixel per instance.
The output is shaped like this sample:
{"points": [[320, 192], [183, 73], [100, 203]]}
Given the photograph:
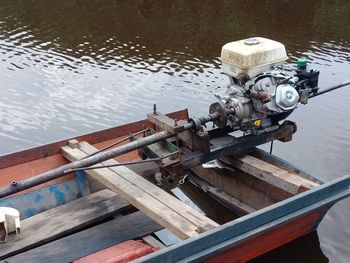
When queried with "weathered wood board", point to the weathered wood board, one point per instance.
{"points": [[91, 240], [239, 185], [283, 179], [239, 207], [153, 201], [63, 220], [153, 242]]}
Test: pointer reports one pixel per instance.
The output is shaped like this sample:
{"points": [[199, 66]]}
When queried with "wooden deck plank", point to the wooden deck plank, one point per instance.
{"points": [[138, 198], [63, 220], [238, 206], [91, 240], [152, 241], [272, 174], [238, 185], [176, 205]]}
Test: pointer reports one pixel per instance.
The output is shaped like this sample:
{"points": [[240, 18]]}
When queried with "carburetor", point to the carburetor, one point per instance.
{"points": [[260, 93]]}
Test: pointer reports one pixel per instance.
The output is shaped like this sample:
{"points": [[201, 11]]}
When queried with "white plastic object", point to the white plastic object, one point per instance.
{"points": [[9, 222], [252, 56]]}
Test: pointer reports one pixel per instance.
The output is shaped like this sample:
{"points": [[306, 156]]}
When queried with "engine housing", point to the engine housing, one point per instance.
{"points": [[260, 94]]}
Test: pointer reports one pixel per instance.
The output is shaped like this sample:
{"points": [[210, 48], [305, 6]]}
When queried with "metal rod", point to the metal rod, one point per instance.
{"points": [[111, 165], [97, 158], [117, 142], [345, 83], [271, 147], [15, 187]]}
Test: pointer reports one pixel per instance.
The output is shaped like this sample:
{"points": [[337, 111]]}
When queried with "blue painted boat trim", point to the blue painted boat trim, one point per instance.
{"points": [[82, 183], [235, 232], [32, 203]]}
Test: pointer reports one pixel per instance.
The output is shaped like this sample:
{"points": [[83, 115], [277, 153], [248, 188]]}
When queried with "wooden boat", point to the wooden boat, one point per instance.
{"points": [[72, 217]]}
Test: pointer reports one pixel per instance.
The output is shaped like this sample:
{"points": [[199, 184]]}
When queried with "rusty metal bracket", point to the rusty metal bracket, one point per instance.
{"points": [[230, 145], [165, 123], [167, 152]]}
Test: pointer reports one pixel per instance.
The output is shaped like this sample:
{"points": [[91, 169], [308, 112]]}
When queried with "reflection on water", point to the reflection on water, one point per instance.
{"points": [[334, 233], [70, 67]]}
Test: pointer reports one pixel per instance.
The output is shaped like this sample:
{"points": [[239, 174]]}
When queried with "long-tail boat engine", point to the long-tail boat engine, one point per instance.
{"points": [[261, 92]]}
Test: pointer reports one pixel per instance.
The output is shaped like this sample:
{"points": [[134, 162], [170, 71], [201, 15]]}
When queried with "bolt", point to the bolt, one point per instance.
{"points": [[155, 109], [175, 122], [13, 183]]}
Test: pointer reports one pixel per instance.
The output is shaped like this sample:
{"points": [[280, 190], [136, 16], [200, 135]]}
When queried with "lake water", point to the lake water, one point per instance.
{"points": [[72, 67]]}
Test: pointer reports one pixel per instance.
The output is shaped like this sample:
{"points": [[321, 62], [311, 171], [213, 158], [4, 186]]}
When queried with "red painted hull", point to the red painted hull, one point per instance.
{"points": [[270, 240]]}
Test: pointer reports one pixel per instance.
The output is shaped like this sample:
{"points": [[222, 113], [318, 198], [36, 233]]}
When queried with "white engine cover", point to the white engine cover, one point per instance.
{"points": [[251, 56]]}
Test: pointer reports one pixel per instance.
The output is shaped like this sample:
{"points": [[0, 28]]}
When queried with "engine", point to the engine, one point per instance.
{"points": [[261, 92]]}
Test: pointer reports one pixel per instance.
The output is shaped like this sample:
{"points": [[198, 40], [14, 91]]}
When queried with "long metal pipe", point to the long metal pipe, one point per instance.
{"points": [[344, 83], [97, 158]]}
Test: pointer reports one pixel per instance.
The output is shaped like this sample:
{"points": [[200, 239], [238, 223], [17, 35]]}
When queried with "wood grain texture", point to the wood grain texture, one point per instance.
{"points": [[153, 242], [176, 205], [283, 164], [93, 138], [138, 198], [63, 220], [91, 240], [239, 185], [240, 207], [274, 175], [268, 241]]}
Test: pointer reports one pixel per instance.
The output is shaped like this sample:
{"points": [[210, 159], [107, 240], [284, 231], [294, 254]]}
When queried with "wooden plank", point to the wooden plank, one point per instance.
{"points": [[120, 253], [238, 185], [63, 220], [91, 240], [177, 206], [271, 174], [35, 202], [240, 207], [93, 138], [152, 241], [138, 198], [283, 164]]}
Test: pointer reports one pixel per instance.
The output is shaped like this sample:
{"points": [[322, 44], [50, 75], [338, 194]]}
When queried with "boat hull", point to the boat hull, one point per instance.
{"points": [[256, 233], [237, 241]]}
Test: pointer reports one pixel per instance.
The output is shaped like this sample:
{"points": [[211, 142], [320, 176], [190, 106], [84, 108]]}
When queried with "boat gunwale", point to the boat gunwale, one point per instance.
{"points": [[49, 149], [233, 233]]}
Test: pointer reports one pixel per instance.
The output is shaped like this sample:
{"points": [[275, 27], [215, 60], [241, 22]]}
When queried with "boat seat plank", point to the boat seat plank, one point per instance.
{"points": [[136, 192], [63, 220], [284, 179], [176, 205], [91, 240]]}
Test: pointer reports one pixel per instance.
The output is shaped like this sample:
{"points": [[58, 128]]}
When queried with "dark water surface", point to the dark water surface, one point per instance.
{"points": [[71, 67]]}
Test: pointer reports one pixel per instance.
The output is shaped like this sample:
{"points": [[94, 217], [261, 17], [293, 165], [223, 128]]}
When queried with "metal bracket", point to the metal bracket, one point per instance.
{"points": [[165, 150], [165, 123]]}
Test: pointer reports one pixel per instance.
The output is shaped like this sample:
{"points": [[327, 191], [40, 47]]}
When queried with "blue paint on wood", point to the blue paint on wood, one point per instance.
{"points": [[234, 232], [40, 200], [29, 212], [60, 198], [82, 183]]}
